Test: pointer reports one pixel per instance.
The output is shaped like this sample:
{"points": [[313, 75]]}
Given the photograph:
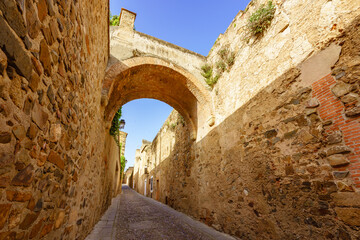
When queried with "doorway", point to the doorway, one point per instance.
{"points": [[157, 190]]}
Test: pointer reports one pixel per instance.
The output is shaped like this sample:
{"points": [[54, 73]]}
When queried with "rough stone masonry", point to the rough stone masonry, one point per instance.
{"points": [[278, 153]]}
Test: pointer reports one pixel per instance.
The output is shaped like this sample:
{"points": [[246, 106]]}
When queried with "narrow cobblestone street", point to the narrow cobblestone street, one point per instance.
{"points": [[134, 217]]}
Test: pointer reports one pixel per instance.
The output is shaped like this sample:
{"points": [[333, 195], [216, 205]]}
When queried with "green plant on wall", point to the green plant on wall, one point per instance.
{"points": [[261, 19], [122, 163], [114, 20], [115, 126], [207, 73]]}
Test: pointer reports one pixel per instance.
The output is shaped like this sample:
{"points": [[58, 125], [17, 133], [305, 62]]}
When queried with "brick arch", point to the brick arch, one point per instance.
{"points": [[150, 77]]}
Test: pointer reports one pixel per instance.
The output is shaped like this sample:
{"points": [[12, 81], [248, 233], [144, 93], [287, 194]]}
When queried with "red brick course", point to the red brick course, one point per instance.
{"points": [[331, 108]]}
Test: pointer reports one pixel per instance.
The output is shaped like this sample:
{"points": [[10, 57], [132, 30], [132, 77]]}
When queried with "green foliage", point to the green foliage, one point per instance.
{"points": [[230, 60], [122, 163], [208, 75], [227, 59], [115, 126], [221, 66], [114, 20], [260, 20]]}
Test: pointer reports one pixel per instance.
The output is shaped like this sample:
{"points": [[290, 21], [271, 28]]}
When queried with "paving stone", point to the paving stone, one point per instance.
{"points": [[133, 216]]}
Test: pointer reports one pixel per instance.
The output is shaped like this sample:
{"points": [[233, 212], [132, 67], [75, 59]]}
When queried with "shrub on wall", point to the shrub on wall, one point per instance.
{"points": [[115, 126], [207, 73], [226, 61], [260, 20], [114, 20]]}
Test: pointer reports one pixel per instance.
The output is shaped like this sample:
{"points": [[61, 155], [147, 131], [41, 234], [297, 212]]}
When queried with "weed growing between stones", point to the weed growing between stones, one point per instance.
{"points": [[225, 63], [208, 75], [260, 20]]}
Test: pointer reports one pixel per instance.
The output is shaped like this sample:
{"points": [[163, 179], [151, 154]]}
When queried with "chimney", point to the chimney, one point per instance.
{"points": [[127, 20]]}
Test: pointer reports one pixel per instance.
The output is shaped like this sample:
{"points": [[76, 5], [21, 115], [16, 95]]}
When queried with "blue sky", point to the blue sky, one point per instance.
{"points": [[192, 24]]}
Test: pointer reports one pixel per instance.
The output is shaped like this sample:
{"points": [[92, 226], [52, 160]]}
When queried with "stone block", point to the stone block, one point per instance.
{"points": [[15, 196], [3, 61], [4, 182], [55, 132], [28, 220], [39, 116], [34, 81], [24, 177], [353, 112], [19, 132], [45, 57], [35, 229], [13, 16], [312, 103], [55, 158], [350, 216], [4, 213], [335, 137], [346, 199], [46, 229], [5, 137], [340, 174], [338, 160], [60, 216], [341, 88], [33, 23], [32, 131], [15, 48], [42, 10], [350, 98], [270, 133], [14, 218], [337, 149]]}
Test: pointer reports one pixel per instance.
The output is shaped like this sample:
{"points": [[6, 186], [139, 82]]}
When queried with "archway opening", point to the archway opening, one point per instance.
{"points": [[147, 77]]}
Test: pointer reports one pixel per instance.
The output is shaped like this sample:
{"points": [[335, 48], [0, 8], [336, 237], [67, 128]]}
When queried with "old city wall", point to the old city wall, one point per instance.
{"points": [[283, 159], [54, 181]]}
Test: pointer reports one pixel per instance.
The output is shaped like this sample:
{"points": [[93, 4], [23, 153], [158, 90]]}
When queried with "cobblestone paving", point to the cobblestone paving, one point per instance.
{"points": [[138, 217]]}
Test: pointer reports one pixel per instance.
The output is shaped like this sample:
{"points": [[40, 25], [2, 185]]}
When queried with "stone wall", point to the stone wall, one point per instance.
{"points": [[54, 181], [282, 161]]}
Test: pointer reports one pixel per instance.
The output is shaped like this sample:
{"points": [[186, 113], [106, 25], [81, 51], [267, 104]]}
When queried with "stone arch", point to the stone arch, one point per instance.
{"points": [[156, 78]]}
